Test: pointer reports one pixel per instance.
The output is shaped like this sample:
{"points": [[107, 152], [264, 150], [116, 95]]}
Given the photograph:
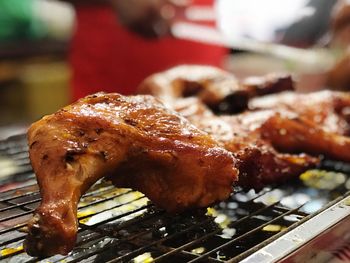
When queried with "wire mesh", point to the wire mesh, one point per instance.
{"points": [[121, 225]]}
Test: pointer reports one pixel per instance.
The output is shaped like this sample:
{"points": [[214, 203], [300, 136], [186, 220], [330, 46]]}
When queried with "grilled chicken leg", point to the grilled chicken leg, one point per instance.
{"points": [[178, 165], [217, 89], [173, 163]]}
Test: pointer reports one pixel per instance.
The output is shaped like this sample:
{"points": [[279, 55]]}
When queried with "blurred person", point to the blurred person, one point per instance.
{"points": [[118, 43]]}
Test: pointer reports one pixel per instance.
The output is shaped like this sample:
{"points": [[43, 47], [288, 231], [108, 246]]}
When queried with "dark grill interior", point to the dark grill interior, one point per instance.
{"points": [[120, 225]]}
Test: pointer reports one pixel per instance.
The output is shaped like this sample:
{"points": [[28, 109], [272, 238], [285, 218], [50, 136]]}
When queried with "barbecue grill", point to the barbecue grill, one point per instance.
{"points": [[303, 220]]}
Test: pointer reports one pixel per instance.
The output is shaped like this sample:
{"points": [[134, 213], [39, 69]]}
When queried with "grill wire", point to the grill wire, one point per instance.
{"points": [[121, 225]]}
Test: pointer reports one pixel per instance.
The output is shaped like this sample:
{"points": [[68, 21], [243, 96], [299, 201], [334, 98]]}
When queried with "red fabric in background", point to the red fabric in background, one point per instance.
{"points": [[107, 57]]}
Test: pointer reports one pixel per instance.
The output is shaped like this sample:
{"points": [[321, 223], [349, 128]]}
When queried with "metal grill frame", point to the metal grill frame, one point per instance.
{"points": [[334, 212]]}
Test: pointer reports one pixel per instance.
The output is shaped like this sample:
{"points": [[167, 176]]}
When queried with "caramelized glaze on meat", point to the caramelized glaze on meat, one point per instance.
{"points": [[329, 110], [271, 141], [273, 145], [136, 142], [217, 89], [268, 84], [177, 162], [251, 137]]}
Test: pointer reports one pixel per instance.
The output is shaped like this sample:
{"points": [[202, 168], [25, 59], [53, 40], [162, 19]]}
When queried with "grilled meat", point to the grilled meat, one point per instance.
{"points": [[328, 110], [217, 89], [178, 165], [254, 138], [268, 84], [137, 143], [271, 144], [271, 140]]}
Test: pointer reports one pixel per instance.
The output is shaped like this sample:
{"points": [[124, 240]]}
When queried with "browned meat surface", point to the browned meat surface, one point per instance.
{"points": [[136, 142], [177, 162], [248, 136], [272, 145], [269, 139], [269, 84], [191, 107], [329, 110], [217, 89], [245, 135]]}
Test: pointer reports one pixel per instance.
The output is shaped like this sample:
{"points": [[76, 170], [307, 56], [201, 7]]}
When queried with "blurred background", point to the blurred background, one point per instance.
{"points": [[54, 52], [34, 75]]}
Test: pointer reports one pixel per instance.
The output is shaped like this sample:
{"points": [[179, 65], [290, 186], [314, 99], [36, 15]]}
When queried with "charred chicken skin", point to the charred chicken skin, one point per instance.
{"points": [[217, 89], [137, 143]]}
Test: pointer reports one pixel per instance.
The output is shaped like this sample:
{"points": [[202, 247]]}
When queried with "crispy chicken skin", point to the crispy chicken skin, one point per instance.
{"points": [[270, 140], [273, 145], [329, 110], [180, 159], [254, 138], [217, 89], [136, 142], [268, 84], [208, 83]]}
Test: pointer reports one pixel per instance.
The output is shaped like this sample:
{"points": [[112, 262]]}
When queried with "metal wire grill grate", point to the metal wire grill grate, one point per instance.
{"points": [[121, 225]]}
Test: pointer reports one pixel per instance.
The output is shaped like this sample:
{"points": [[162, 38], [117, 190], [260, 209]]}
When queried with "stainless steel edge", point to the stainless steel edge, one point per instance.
{"points": [[302, 234]]}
